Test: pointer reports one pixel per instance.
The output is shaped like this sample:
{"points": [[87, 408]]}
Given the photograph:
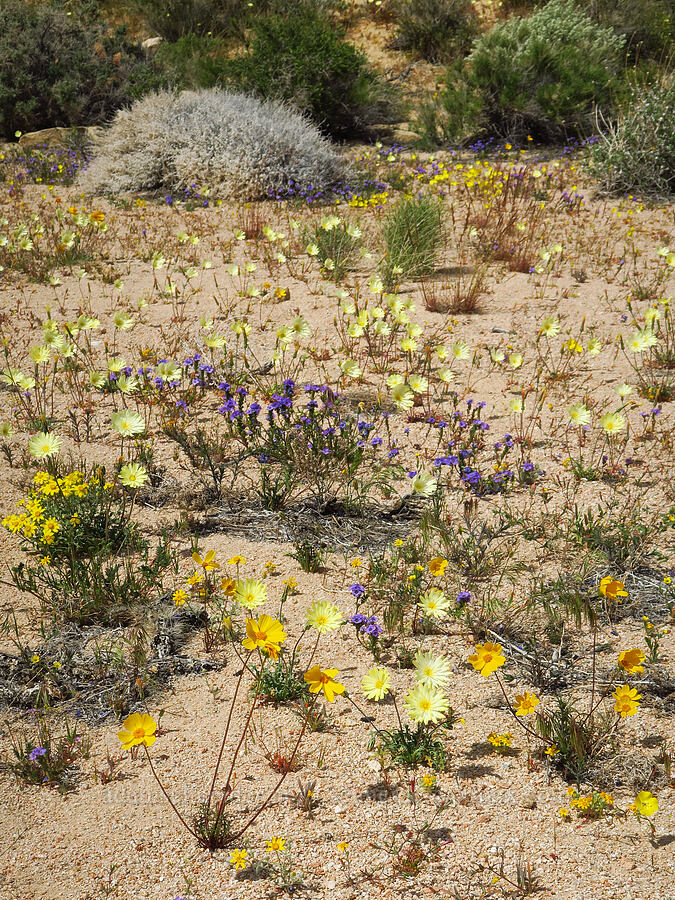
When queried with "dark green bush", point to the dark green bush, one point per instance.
{"points": [[193, 61], [173, 19], [542, 76], [637, 153], [305, 61], [648, 26], [54, 71], [438, 30]]}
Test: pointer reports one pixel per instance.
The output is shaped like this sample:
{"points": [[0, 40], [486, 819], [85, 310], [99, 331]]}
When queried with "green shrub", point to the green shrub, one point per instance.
{"points": [[193, 61], [543, 76], [57, 72], [647, 25], [305, 61], [438, 30], [412, 235], [637, 153], [174, 19], [452, 115]]}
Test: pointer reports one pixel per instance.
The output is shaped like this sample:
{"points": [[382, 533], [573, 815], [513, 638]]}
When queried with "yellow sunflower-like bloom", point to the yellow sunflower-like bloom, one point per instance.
{"points": [[320, 679], [437, 566], [487, 658], [612, 588], [208, 563], [137, 729], [526, 703], [324, 616], [264, 634], [626, 700], [645, 804], [631, 661], [375, 684]]}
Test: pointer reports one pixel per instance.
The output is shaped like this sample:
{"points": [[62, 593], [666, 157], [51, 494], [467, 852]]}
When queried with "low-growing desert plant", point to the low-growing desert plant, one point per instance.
{"points": [[636, 154], [312, 446], [44, 758], [237, 146], [87, 564], [74, 516], [411, 747], [578, 739], [281, 682], [416, 741], [309, 555]]}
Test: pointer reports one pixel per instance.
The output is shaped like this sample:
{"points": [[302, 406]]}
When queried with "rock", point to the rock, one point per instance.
{"points": [[152, 43], [405, 137], [50, 137], [495, 700], [57, 137], [528, 799], [94, 131]]}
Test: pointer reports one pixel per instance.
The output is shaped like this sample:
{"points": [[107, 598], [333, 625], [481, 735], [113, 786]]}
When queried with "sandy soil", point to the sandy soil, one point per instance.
{"points": [[120, 839]]}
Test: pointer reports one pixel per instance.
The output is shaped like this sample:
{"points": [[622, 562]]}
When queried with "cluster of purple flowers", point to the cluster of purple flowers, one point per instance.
{"points": [[494, 483], [318, 423], [366, 625], [47, 165], [197, 373], [312, 194], [190, 196], [497, 480], [36, 752], [455, 459]]}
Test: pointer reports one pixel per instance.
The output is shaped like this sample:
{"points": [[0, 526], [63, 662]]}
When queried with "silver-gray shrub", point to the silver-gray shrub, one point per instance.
{"points": [[233, 144]]}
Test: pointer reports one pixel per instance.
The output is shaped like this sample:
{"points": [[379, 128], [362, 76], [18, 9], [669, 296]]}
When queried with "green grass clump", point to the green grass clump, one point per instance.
{"points": [[413, 236]]}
